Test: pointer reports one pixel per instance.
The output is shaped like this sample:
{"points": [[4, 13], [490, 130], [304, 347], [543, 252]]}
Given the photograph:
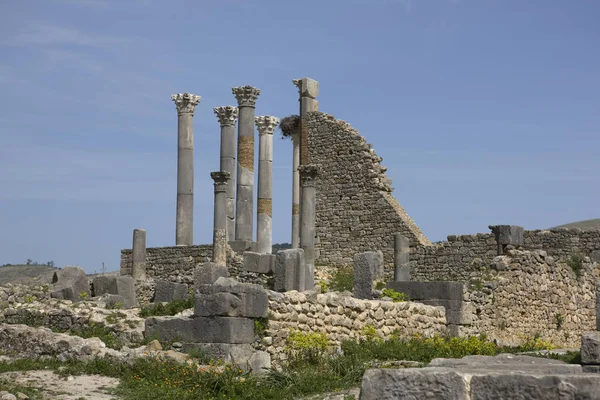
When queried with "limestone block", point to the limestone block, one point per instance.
{"points": [[242, 355], [70, 283], [208, 273], [167, 291], [123, 286], [261, 263], [228, 297], [590, 348], [240, 246], [368, 267], [508, 234], [307, 87], [201, 329], [290, 270]]}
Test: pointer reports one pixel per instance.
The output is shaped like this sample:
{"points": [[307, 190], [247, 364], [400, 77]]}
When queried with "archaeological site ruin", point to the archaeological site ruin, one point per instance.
{"points": [[509, 283]]}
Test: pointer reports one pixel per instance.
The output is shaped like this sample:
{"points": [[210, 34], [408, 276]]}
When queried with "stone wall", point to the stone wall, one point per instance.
{"points": [[175, 263], [356, 211], [344, 317], [467, 257], [530, 293]]}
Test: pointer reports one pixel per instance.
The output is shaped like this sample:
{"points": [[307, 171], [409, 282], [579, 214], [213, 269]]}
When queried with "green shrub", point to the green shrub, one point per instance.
{"points": [[171, 308], [576, 263], [261, 325], [369, 333], [560, 319], [342, 279], [394, 295], [323, 285], [306, 346], [380, 285]]}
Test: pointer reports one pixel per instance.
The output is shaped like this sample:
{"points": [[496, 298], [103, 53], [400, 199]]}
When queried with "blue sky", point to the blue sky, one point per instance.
{"points": [[485, 111]]}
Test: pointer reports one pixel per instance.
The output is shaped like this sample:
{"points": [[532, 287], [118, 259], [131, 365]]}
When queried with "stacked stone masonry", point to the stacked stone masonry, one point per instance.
{"points": [[356, 211], [344, 317], [466, 257]]}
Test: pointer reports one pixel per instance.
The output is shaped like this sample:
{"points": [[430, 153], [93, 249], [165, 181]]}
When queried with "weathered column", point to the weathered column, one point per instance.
{"points": [[308, 178], [227, 118], [184, 230], [401, 258], [138, 254], [296, 192], [220, 217], [244, 217], [309, 90], [264, 232]]}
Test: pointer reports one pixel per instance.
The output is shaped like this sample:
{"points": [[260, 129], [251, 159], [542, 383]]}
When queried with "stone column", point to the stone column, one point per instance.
{"points": [[309, 90], [264, 232], [296, 192], [220, 217], [184, 230], [138, 254], [308, 179], [244, 217], [227, 118], [401, 258]]}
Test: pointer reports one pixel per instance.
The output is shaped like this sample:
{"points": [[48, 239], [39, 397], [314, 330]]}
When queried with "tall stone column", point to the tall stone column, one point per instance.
{"points": [[308, 180], [244, 217], [227, 118], [184, 230], [308, 90], [264, 232], [138, 254], [220, 217], [401, 258], [296, 192]]}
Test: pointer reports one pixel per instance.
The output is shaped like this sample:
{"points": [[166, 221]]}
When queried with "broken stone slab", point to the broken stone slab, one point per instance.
{"points": [[590, 348], [201, 329], [241, 246], [290, 270], [242, 355], [167, 291], [257, 262], [368, 267], [122, 286], [228, 297], [508, 362], [207, 273], [70, 283]]}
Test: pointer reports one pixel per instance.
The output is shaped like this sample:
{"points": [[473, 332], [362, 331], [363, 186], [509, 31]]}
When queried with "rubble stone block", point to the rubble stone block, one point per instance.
{"points": [[256, 262], [590, 348], [368, 267], [228, 297], [242, 355], [70, 283], [201, 329], [290, 270], [208, 273], [123, 286], [167, 291]]}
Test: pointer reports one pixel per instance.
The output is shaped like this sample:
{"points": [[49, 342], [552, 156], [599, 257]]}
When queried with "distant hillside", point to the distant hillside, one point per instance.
{"points": [[587, 225], [25, 273]]}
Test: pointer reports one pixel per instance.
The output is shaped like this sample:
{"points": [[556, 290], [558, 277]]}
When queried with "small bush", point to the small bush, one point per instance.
{"points": [[380, 285], [369, 334], [559, 319], [171, 308], [395, 296], [342, 279], [576, 263], [261, 325], [323, 285], [306, 346]]}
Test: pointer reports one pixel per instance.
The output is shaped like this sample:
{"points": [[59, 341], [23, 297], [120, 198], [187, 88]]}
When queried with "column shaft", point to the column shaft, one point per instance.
{"points": [[138, 254], [308, 176], [264, 231], [185, 103], [227, 118], [220, 217], [296, 193], [401, 258]]}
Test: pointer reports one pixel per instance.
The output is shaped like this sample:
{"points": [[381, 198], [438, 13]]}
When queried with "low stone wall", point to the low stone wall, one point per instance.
{"points": [[466, 257], [174, 263], [344, 317], [528, 294]]}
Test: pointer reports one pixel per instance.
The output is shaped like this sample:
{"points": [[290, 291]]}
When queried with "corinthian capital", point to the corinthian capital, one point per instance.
{"points": [[308, 174], [220, 178], [185, 102], [226, 115], [266, 124], [246, 95], [307, 87]]}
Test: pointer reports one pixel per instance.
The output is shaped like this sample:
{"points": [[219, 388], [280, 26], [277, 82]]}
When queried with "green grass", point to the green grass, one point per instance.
{"points": [[342, 279], [171, 308], [157, 378]]}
